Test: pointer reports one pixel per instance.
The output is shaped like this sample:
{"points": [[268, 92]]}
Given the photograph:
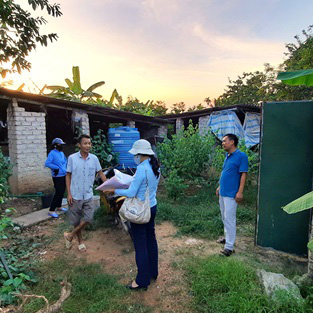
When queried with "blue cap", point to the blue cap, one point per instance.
{"points": [[58, 141]]}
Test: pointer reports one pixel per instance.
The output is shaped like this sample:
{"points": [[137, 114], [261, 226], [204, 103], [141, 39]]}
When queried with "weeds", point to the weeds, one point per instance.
{"points": [[93, 291], [199, 215], [226, 285]]}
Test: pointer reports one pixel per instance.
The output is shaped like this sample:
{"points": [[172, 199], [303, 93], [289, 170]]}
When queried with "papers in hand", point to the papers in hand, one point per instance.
{"points": [[118, 181]]}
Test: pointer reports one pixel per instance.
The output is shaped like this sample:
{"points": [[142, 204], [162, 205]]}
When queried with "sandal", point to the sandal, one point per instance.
{"points": [[53, 214], [82, 247], [221, 241], [227, 252]]}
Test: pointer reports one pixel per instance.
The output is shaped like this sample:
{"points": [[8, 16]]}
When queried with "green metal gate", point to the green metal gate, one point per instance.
{"points": [[286, 168]]}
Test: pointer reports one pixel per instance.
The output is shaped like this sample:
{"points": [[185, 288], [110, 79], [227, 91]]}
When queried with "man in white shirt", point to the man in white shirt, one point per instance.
{"points": [[82, 169]]}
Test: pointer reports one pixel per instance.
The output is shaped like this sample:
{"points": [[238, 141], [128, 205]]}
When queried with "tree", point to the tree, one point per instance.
{"points": [[20, 33], [149, 108], [74, 90], [178, 108], [252, 87], [300, 55]]}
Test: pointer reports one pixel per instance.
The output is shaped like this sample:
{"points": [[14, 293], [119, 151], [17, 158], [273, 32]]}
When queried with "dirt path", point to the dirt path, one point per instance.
{"points": [[113, 249]]}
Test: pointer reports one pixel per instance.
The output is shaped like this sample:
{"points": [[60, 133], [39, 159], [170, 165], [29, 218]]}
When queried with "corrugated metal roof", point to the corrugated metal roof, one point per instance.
{"points": [[44, 100]]}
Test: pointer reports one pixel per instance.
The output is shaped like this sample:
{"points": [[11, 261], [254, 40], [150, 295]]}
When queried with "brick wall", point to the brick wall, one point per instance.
{"points": [[82, 120], [162, 131], [27, 150], [131, 124], [179, 125], [203, 125]]}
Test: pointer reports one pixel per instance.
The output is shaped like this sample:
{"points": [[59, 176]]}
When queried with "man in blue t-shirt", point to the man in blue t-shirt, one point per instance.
{"points": [[230, 190]]}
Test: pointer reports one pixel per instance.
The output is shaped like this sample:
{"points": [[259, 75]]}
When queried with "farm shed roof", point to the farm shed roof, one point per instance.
{"points": [[44, 101]]}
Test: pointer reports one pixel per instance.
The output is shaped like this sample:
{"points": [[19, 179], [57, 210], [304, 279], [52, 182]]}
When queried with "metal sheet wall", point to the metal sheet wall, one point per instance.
{"points": [[286, 169]]}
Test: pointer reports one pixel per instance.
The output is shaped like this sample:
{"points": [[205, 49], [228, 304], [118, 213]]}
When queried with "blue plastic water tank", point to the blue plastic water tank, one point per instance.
{"points": [[122, 139]]}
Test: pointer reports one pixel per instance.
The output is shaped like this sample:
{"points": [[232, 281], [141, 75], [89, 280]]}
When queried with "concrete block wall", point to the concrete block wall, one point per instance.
{"points": [[203, 125], [81, 117], [131, 124], [162, 131], [179, 125], [27, 150]]}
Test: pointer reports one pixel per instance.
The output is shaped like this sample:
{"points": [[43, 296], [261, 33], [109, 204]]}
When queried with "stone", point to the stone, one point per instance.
{"points": [[278, 287]]}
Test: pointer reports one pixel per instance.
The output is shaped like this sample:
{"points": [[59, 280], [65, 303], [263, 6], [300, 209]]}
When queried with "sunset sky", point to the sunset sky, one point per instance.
{"points": [[169, 50]]}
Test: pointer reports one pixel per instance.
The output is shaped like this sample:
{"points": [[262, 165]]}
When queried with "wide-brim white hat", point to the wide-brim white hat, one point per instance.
{"points": [[141, 146]]}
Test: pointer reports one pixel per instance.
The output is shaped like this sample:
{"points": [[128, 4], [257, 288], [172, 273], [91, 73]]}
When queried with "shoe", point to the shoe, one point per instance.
{"points": [[53, 214], [64, 209], [227, 252], [136, 288], [221, 241]]}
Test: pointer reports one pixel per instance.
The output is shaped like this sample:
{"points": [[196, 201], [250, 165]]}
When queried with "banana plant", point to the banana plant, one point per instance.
{"points": [[303, 203], [74, 90]]}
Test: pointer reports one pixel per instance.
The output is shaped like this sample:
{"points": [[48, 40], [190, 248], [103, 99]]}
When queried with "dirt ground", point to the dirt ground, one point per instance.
{"points": [[22, 206], [112, 248]]}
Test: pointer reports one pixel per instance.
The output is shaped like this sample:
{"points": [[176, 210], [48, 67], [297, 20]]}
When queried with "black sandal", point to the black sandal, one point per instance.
{"points": [[227, 252]]}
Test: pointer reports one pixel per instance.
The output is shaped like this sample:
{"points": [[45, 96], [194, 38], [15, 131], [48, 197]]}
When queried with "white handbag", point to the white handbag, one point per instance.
{"points": [[135, 210]]}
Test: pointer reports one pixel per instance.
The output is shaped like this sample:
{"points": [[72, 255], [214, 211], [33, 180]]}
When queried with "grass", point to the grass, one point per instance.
{"points": [[199, 215], [92, 290], [229, 285]]}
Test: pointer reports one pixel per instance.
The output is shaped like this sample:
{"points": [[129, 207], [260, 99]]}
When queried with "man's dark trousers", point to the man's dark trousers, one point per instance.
{"points": [[146, 249]]}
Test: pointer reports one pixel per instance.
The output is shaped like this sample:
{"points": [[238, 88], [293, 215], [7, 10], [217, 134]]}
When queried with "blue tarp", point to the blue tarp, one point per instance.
{"points": [[227, 122]]}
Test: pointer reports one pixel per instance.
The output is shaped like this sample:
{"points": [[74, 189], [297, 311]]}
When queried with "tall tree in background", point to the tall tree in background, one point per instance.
{"points": [[250, 88], [20, 33]]}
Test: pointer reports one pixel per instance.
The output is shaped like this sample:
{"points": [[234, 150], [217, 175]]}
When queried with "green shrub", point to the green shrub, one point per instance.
{"points": [[189, 157], [103, 150], [5, 173]]}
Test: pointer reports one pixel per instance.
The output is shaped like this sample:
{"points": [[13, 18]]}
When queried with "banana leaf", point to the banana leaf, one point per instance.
{"points": [[114, 95], [96, 85], [296, 78], [303, 203], [69, 83], [77, 89], [310, 245]]}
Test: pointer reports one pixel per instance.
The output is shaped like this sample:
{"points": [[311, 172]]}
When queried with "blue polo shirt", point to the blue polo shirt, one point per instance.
{"points": [[234, 164]]}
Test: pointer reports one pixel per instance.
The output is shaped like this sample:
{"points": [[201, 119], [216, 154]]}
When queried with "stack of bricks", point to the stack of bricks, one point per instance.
{"points": [[203, 125], [27, 150], [162, 131]]}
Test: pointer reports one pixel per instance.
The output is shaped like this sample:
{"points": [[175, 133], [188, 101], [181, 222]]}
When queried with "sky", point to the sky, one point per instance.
{"points": [[167, 50]]}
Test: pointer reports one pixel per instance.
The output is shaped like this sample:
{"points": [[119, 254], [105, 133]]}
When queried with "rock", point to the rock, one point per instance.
{"points": [[278, 287]]}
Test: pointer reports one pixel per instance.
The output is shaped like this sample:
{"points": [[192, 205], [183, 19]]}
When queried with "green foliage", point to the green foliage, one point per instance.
{"points": [[93, 291], [185, 158], [74, 91], [103, 150], [300, 55], [199, 214], [20, 259], [252, 87], [188, 157], [5, 173], [229, 285], [20, 32]]}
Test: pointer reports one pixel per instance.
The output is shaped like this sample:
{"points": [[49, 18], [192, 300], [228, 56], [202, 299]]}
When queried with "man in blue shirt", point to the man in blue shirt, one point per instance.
{"points": [[82, 168], [230, 190]]}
